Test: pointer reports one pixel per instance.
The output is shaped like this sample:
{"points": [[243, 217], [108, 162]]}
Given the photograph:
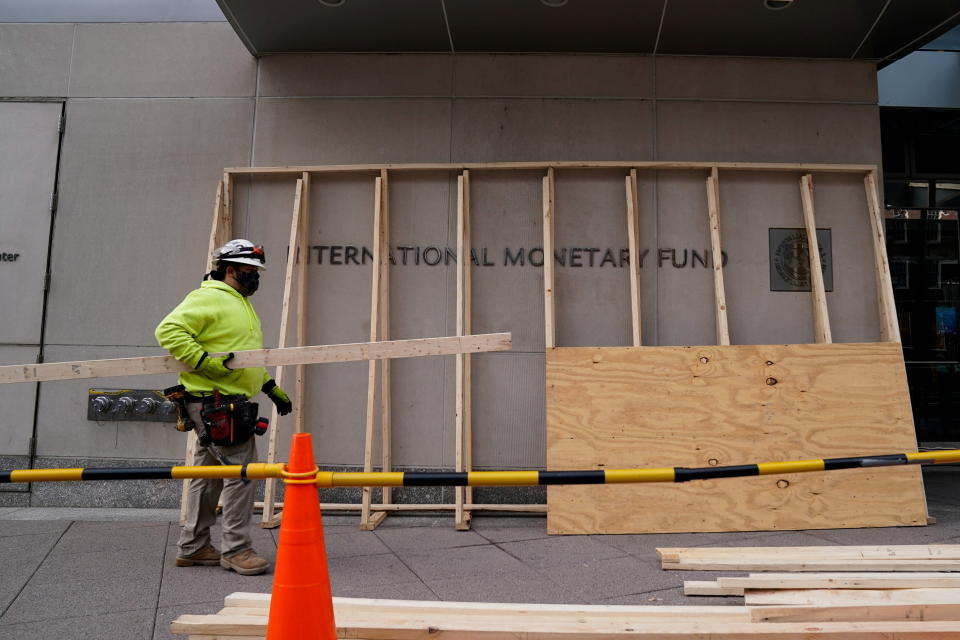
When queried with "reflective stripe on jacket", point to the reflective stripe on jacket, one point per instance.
{"points": [[214, 318]]}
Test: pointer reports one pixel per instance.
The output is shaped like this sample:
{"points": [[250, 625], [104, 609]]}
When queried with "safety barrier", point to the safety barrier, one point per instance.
{"points": [[260, 471]]}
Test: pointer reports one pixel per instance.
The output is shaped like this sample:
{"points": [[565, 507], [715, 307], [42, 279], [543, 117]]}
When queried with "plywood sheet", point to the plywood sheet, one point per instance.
{"points": [[723, 405]]}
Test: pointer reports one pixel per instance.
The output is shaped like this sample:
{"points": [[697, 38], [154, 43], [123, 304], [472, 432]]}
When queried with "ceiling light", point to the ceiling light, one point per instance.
{"points": [[776, 5], [553, 3], [332, 3]]}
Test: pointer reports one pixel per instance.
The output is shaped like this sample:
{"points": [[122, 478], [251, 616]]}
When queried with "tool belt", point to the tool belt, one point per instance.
{"points": [[227, 420]]}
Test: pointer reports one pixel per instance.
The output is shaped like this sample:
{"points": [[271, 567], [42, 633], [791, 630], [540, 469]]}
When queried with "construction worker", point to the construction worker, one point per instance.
{"points": [[218, 318]]}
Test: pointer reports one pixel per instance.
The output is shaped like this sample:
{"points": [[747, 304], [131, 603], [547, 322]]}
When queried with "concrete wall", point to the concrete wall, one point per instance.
{"points": [[155, 111]]}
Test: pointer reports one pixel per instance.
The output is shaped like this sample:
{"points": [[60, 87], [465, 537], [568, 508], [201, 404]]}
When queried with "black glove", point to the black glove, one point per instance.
{"points": [[279, 397], [214, 367]]}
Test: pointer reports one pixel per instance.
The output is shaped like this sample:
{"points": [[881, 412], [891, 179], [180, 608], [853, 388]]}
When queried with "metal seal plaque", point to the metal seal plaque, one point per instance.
{"points": [[790, 259]]}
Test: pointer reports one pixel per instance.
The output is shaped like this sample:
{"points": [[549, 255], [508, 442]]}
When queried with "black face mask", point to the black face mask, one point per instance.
{"points": [[249, 280]]}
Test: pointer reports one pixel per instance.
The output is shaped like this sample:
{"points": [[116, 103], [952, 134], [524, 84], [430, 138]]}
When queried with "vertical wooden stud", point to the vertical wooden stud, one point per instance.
{"points": [[269, 489], [821, 317], [386, 412], [303, 253], [463, 381], [720, 296], [549, 308], [889, 328], [633, 237], [216, 232], [370, 521]]}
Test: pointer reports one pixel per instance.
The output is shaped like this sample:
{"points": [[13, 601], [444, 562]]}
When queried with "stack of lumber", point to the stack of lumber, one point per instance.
{"points": [[895, 592], [245, 617], [937, 557]]}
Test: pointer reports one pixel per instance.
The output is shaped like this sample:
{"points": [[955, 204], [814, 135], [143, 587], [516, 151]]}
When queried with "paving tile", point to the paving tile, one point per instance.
{"points": [[360, 571], [890, 535], [166, 615], [353, 543], [262, 538], [31, 527], [111, 536], [774, 539], [70, 565], [606, 578], [460, 562], [73, 598], [415, 538], [510, 529], [404, 522], [415, 590], [80, 514], [560, 550], [124, 625], [644, 545], [183, 585], [22, 555], [519, 586]]}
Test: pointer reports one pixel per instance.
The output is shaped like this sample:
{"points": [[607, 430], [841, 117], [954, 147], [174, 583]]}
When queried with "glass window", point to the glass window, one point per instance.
{"points": [[906, 194], [947, 195]]}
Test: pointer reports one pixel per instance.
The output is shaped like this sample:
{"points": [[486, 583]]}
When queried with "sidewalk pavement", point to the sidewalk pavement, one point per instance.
{"points": [[104, 574]]}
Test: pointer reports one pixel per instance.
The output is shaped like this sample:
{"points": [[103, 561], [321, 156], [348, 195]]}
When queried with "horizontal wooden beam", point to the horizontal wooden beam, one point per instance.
{"points": [[260, 358], [844, 580], [743, 166]]}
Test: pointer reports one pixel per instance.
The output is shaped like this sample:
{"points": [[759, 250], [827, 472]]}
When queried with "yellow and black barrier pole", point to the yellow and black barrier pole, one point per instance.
{"points": [[259, 471]]}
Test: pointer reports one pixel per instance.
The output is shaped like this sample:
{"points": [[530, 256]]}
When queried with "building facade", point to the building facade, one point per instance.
{"points": [[115, 135]]}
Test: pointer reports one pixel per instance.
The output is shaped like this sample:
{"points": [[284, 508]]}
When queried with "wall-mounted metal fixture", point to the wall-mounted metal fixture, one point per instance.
{"points": [[553, 3], [129, 404], [776, 5], [332, 3]]}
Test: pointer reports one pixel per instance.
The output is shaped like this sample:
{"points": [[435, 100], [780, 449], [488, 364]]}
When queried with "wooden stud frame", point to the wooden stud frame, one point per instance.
{"points": [[549, 280], [373, 514], [633, 238], [716, 254], [821, 318], [463, 495], [297, 222], [368, 520]]}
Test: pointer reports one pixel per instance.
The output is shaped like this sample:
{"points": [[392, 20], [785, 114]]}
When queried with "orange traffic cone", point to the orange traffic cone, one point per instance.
{"points": [[301, 605]]}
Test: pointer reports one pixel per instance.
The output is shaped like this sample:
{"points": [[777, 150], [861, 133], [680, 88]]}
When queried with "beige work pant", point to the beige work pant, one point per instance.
{"points": [[204, 494]]}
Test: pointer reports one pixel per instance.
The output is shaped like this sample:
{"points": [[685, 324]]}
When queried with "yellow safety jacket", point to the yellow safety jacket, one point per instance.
{"points": [[214, 318]]}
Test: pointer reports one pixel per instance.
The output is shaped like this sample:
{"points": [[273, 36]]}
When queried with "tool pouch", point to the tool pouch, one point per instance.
{"points": [[229, 420], [178, 396]]}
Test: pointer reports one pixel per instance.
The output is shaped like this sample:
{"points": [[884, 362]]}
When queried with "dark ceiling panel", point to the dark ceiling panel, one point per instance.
{"points": [[806, 28], [283, 26], [905, 21], [581, 26], [865, 29]]}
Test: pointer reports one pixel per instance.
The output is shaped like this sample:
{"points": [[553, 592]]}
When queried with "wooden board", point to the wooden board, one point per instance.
{"points": [[836, 597], [246, 616], [872, 580], [850, 613], [314, 354], [726, 405], [943, 557]]}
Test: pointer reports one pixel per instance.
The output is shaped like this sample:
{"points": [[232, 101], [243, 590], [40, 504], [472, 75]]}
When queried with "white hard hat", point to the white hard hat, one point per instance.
{"points": [[241, 251]]}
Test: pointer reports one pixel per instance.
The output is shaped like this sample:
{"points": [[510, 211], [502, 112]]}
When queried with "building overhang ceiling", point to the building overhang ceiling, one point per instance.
{"points": [[875, 30]]}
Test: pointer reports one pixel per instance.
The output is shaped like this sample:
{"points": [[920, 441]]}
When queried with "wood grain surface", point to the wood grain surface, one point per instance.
{"points": [[705, 406]]}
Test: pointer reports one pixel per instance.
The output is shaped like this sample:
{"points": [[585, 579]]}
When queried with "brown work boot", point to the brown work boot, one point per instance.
{"points": [[206, 557], [246, 563]]}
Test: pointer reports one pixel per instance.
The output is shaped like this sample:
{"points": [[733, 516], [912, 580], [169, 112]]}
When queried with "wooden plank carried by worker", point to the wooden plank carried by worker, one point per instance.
{"points": [[313, 354], [728, 405]]}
